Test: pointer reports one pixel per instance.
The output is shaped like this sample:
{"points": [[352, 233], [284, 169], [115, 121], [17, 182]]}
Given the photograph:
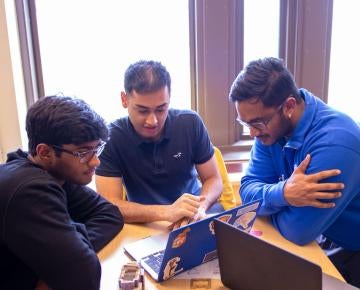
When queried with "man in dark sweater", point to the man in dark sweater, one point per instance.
{"points": [[51, 224]]}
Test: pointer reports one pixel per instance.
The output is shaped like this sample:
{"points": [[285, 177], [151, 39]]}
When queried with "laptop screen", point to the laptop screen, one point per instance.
{"points": [[247, 262]]}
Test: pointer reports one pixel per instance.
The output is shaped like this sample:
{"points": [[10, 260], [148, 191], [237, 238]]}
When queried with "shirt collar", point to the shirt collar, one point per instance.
{"points": [[140, 140]]}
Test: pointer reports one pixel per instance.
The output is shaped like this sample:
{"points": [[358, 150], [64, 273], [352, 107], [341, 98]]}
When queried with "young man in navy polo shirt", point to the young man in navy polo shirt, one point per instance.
{"points": [[158, 154]]}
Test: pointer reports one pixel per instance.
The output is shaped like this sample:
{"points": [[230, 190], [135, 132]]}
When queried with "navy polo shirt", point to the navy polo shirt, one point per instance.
{"points": [[158, 172]]}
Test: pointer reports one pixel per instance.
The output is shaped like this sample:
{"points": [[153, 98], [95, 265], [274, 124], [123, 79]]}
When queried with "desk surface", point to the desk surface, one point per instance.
{"points": [[112, 257]]}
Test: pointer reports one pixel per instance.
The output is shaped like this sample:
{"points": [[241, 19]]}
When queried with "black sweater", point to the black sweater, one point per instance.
{"points": [[50, 232]]}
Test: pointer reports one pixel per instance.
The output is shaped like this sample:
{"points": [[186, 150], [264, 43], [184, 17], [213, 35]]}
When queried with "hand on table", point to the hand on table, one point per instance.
{"points": [[305, 190]]}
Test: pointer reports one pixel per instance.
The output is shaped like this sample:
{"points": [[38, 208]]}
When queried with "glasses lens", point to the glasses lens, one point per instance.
{"points": [[88, 155], [256, 125], [100, 149]]}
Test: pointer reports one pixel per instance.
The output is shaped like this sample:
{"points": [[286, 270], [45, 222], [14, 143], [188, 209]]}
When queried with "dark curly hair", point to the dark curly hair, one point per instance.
{"points": [[57, 120], [266, 79]]}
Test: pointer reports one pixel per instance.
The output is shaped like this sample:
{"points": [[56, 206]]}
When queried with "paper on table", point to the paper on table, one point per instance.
{"points": [[208, 270]]}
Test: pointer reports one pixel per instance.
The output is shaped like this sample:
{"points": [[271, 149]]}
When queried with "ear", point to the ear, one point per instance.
{"points": [[124, 99], [289, 106], [45, 153]]}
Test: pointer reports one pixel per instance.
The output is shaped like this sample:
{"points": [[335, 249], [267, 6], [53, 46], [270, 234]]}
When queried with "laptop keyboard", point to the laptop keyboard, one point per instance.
{"points": [[154, 260]]}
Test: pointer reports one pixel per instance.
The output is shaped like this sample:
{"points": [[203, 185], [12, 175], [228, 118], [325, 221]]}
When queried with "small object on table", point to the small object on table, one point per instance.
{"points": [[131, 277]]}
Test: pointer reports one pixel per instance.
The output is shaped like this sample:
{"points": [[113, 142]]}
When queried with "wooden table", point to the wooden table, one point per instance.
{"points": [[112, 257]]}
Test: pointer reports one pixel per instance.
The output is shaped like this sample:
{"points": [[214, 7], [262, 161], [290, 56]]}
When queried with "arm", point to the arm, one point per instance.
{"points": [[211, 182], [263, 180], [210, 191], [303, 224], [40, 232], [303, 189], [111, 189], [103, 220]]}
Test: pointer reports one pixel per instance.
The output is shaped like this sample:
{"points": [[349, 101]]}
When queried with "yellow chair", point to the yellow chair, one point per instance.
{"points": [[227, 198]]}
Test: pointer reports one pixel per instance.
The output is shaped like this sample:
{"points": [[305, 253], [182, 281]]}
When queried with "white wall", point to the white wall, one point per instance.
{"points": [[11, 117]]}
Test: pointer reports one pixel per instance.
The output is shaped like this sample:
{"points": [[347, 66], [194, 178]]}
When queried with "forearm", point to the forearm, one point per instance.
{"points": [[139, 213], [211, 191], [104, 226], [271, 194]]}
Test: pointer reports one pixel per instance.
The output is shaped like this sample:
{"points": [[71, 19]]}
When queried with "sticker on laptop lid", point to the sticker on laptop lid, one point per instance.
{"points": [[170, 268], [245, 221], [252, 207], [210, 256], [225, 218], [180, 239]]}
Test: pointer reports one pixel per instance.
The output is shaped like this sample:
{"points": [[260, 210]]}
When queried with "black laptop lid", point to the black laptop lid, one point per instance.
{"points": [[249, 263]]}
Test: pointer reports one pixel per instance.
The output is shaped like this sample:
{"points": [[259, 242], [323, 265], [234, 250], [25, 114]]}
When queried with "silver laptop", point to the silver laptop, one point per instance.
{"points": [[169, 254], [249, 263]]}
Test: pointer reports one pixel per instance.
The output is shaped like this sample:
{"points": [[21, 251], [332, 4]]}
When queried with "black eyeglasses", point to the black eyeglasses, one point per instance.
{"points": [[259, 125], [84, 156]]}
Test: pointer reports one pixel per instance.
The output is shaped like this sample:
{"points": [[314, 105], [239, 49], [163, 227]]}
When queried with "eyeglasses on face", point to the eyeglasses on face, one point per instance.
{"points": [[259, 125], [84, 156]]}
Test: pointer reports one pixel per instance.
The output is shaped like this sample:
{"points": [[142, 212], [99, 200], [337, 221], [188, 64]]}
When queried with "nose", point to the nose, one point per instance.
{"points": [[94, 161], [151, 120], [254, 132]]}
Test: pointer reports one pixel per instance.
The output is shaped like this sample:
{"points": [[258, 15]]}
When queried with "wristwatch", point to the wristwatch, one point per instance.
{"points": [[131, 276]]}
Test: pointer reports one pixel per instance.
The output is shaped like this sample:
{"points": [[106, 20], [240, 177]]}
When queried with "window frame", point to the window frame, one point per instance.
{"points": [[216, 45]]}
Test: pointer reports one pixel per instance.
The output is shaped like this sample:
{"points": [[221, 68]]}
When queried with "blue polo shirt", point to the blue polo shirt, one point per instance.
{"points": [[158, 172], [333, 141]]}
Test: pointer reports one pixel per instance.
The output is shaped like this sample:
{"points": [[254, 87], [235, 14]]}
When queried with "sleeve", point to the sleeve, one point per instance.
{"points": [[111, 164], [202, 146], [262, 182], [302, 225], [101, 218], [39, 230]]}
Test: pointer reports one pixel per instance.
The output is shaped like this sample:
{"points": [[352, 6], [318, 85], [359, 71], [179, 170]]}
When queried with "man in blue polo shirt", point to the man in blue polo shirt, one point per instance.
{"points": [[158, 154], [305, 162]]}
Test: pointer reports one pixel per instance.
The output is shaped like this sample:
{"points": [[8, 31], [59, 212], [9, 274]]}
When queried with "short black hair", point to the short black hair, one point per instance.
{"points": [[146, 76], [57, 120], [266, 79]]}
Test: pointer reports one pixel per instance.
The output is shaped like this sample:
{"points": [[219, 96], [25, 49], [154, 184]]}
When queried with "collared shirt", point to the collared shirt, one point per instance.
{"points": [[158, 172], [333, 141]]}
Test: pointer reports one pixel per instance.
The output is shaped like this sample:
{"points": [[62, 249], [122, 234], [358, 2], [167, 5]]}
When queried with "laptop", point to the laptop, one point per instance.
{"points": [[250, 263], [166, 255]]}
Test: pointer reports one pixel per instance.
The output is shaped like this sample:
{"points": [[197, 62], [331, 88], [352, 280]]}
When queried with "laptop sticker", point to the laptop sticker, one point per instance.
{"points": [[225, 218], [180, 239], [210, 256], [170, 268], [244, 221]]}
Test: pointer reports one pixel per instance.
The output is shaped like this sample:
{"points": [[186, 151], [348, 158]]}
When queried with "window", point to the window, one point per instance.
{"points": [[344, 61], [261, 29], [261, 33], [87, 45], [203, 43]]}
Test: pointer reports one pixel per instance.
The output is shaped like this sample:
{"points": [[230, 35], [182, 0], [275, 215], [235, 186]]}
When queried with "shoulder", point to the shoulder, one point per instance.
{"points": [[23, 172], [343, 129], [120, 129], [30, 189], [184, 117], [119, 125]]}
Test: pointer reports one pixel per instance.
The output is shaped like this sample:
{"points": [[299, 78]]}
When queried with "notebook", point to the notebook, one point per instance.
{"points": [[169, 254], [249, 263]]}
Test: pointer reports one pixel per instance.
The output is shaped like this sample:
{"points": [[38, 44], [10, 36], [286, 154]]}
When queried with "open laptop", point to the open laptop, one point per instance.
{"points": [[249, 263], [169, 254]]}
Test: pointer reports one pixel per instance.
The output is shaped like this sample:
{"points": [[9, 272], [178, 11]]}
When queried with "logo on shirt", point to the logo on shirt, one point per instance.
{"points": [[178, 155]]}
